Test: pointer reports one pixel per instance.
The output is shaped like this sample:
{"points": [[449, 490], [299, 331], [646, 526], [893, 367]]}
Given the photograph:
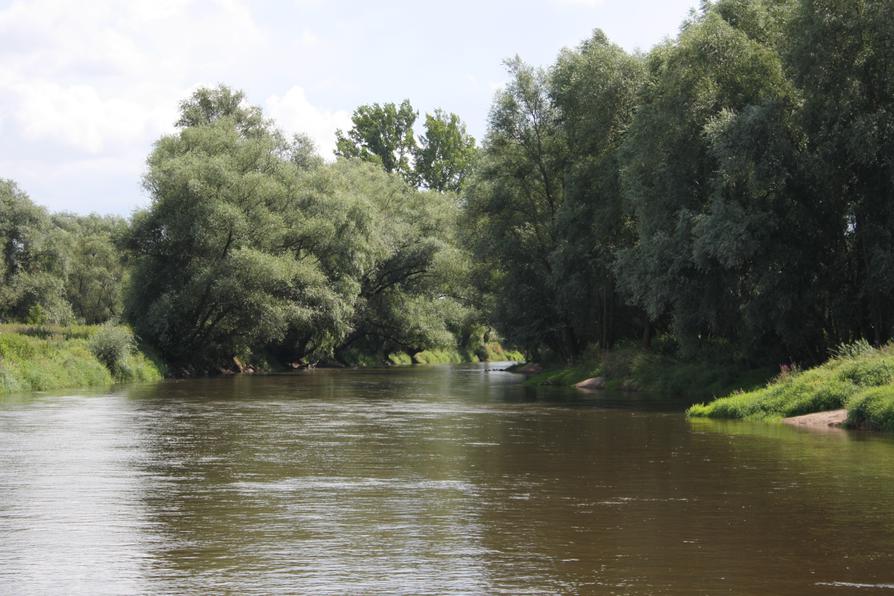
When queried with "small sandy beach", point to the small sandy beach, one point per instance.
{"points": [[831, 419]]}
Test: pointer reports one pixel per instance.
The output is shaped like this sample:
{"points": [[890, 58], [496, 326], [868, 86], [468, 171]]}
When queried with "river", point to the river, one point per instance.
{"points": [[428, 480]]}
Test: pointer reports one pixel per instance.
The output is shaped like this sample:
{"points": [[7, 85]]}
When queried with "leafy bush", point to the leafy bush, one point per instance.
{"points": [[440, 356], [112, 345], [400, 359]]}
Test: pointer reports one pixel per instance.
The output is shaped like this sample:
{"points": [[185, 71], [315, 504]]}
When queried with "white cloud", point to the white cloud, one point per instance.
{"points": [[97, 75], [81, 117], [294, 113], [86, 87]]}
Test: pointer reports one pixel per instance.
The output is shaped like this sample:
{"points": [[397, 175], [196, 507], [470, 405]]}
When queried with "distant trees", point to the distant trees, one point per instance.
{"points": [[57, 269], [445, 154], [383, 134]]}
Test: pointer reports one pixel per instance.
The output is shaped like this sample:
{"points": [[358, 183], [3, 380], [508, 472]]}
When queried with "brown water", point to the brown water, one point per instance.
{"points": [[428, 480]]}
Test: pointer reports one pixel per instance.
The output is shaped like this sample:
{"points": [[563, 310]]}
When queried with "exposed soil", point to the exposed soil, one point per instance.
{"points": [[820, 420]]}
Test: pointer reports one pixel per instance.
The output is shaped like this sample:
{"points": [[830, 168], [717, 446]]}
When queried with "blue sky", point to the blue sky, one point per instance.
{"points": [[87, 87]]}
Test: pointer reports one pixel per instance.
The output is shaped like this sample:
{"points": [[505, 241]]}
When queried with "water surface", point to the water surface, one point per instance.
{"points": [[428, 480]]}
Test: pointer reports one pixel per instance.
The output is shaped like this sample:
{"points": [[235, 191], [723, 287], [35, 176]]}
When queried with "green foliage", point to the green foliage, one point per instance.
{"points": [[731, 185], [445, 154], [382, 134], [872, 409], [50, 358], [544, 210], [57, 269], [220, 268], [441, 356], [851, 350], [252, 246], [400, 359], [112, 345], [31, 364], [630, 368]]}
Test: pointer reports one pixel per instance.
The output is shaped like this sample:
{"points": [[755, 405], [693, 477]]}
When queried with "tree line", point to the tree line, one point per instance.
{"points": [[729, 191], [732, 189]]}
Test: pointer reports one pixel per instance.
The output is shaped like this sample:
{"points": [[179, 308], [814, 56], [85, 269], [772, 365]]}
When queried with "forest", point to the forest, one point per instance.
{"points": [[727, 195]]}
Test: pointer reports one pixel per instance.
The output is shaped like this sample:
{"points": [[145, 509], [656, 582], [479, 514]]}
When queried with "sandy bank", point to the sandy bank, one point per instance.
{"points": [[820, 420]]}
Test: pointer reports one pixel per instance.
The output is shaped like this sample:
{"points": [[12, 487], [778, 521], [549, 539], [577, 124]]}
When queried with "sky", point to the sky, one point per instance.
{"points": [[86, 88]]}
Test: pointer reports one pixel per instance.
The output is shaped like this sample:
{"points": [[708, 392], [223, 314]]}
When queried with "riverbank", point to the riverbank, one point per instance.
{"points": [[634, 369], [45, 358], [858, 379], [492, 351]]}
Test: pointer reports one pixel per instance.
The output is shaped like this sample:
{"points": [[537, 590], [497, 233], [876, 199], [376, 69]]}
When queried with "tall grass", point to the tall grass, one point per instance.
{"points": [[42, 358], [857, 377]]}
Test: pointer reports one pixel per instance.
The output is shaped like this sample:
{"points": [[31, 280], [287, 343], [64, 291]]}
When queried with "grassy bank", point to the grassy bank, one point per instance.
{"points": [[489, 352], [44, 358], [634, 369], [858, 377]]}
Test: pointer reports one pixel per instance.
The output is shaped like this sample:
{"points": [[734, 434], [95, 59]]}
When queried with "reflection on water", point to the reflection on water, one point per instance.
{"points": [[428, 480]]}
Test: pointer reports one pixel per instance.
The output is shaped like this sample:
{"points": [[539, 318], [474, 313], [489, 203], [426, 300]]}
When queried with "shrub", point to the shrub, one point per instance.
{"points": [[400, 359], [112, 345], [438, 356]]}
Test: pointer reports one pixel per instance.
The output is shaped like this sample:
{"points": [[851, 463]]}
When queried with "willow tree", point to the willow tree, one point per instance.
{"points": [[544, 207], [711, 176], [218, 270], [840, 54]]}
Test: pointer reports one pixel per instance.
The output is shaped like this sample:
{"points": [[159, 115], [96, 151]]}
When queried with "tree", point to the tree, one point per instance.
{"points": [[595, 88], [840, 55], [216, 272], [95, 264], [544, 206], [32, 267], [207, 106], [382, 134], [711, 173], [445, 153]]}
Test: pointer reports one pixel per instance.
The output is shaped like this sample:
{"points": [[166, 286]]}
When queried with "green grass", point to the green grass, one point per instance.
{"points": [[633, 369], [872, 409], [859, 379], [443, 356], [493, 351], [48, 358], [400, 359]]}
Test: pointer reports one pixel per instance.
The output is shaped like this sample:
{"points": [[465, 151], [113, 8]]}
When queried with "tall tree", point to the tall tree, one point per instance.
{"points": [[218, 271], [841, 54], [382, 134], [595, 87], [445, 153], [709, 176]]}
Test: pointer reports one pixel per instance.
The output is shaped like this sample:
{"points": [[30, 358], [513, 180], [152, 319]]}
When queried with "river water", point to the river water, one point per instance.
{"points": [[428, 480]]}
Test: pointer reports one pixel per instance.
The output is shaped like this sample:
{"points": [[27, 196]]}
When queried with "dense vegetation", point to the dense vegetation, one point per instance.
{"points": [[47, 357], [729, 193], [859, 378]]}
